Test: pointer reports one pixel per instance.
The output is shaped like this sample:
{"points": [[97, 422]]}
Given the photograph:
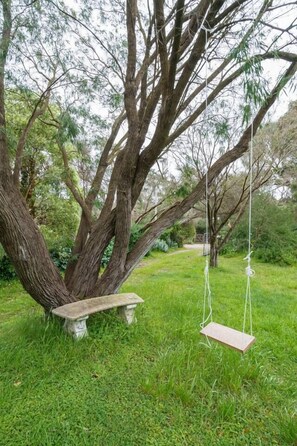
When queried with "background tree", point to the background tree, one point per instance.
{"points": [[274, 231], [228, 195], [149, 82]]}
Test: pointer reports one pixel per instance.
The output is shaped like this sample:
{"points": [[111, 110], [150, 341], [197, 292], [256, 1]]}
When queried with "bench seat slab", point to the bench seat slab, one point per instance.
{"points": [[82, 308]]}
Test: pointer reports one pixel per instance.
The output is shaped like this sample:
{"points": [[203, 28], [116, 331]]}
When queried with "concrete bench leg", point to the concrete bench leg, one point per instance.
{"points": [[77, 328], [127, 314]]}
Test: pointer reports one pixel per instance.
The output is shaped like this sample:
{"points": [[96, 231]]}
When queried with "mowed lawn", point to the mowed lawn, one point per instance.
{"points": [[157, 382]]}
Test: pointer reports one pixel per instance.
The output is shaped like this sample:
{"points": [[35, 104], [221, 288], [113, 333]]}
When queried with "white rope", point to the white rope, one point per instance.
{"points": [[207, 300], [207, 297], [248, 270]]}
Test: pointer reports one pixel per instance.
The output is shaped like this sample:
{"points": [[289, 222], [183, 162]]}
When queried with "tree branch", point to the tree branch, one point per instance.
{"points": [[168, 217]]}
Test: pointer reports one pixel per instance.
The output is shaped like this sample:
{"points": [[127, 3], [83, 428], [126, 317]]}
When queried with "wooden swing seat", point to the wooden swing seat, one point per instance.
{"points": [[228, 336]]}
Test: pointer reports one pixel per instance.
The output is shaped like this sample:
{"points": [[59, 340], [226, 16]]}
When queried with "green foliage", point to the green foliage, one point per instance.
{"points": [[187, 173], [274, 232], [254, 84], [188, 232], [167, 237], [60, 248], [160, 245], [201, 226], [222, 129], [50, 203], [60, 222], [175, 235], [7, 271], [182, 233], [69, 129], [136, 232], [107, 254], [155, 383], [61, 257]]}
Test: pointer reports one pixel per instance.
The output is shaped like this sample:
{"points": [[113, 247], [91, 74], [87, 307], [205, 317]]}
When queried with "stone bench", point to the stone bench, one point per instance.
{"points": [[76, 313]]}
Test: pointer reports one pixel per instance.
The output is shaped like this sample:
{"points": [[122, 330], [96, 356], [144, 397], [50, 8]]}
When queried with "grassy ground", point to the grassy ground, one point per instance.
{"points": [[155, 383]]}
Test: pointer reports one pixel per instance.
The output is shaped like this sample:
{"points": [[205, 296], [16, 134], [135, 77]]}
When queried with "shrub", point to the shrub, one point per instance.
{"points": [[160, 245], [180, 234], [167, 237], [107, 254], [274, 235], [136, 232], [61, 257], [134, 237], [200, 227], [7, 271], [175, 235], [188, 232]]}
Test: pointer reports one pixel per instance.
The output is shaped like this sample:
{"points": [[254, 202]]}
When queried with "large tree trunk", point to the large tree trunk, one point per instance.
{"points": [[23, 243]]}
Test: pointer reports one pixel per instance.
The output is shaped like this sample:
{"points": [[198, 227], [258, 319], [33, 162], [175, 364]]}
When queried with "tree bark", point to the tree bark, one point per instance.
{"points": [[79, 243], [24, 244], [213, 255]]}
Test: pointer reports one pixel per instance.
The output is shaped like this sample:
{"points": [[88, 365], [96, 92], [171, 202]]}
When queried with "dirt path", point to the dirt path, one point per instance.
{"points": [[197, 246], [194, 246]]}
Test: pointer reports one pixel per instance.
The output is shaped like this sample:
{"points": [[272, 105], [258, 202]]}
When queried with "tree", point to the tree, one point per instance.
{"points": [[49, 201], [229, 193], [274, 231], [281, 138], [155, 70]]}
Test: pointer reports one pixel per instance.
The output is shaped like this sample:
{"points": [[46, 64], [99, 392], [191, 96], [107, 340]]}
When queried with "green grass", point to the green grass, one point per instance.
{"points": [[154, 383]]}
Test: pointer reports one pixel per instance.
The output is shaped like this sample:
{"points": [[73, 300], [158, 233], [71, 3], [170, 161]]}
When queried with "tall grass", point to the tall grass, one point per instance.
{"points": [[157, 382]]}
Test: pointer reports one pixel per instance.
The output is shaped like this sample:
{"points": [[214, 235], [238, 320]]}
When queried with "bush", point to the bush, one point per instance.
{"points": [[179, 234], [274, 235], [7, 271], [200, 227], [60, 251], [60, 257], [174, 235], [188, 232], [107, 254], [167, 237], [160, 245], [136, 232]]}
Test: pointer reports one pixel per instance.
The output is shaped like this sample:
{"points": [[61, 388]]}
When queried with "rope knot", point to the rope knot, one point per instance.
{"points": [[248, 257], [249, 271]]}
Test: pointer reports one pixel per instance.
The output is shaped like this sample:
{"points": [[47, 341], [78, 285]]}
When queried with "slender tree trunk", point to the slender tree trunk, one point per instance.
{"points": [[213, 255], [80, 241], [86, 272]]}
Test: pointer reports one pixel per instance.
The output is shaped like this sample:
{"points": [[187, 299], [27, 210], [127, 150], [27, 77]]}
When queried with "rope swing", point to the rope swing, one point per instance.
{"points": [[238, 340]]}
